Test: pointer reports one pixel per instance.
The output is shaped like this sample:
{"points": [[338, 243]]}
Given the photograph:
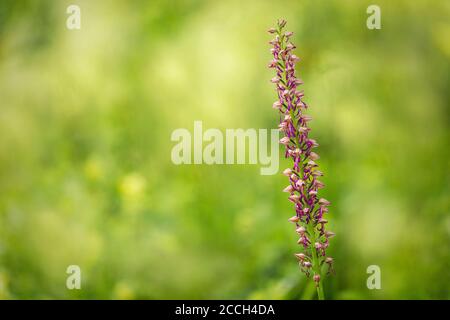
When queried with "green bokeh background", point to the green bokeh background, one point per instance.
{"points": [[86, 176]]}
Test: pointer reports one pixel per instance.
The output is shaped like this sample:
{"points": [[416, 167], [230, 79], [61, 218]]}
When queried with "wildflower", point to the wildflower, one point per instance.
{"points": [[285, 140], [303, 183], [276, 105]]}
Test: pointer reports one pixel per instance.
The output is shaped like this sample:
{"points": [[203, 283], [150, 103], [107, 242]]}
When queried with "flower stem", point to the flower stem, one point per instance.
{"points": [[316, 265]]}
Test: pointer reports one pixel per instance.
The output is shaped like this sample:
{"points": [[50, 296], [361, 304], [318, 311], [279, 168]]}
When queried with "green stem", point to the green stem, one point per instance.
{"points": [[315, 262]]}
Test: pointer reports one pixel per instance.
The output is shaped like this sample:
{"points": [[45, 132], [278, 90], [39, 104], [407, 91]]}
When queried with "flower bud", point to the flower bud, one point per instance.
{"points": [[324, 202], [312, 163], [281, 23], [284, 140], [318, 184], [329, 234], [300, 256], [313, 156], [272, 30], [294, 219], [272, 64], [289, 188], [316, 278], [312, 142], [276, 105], [296, 152], [287, 172], [283, 125], [299, 183], [304, 129], [317, 173], [294, 58], [300, 230], [288, 34], [294, 198], [306, 118], [299, 94], [275, 80]]}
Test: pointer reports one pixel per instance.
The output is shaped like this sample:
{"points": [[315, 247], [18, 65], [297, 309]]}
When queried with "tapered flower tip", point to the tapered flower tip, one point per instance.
{"points": [[272, 64], [300, 256], [281, 23], [307, 264], [287, 172], [272, 30], [323, 221], [276, 105], [303, 129], [313, 156], [329, 234], [319, 184], [287, 117], [294, 177], [317, 245], [275, 80], [317, 173], [306, 118], [283, 125], [294, 219], [312, 163], [316, 278], [329, 260], [324, 202], [312, 193], [288, 34], [294, 198], [284, 140], [290, 46], [289, 188], [299, 94], [300, 230], [295, 58]]}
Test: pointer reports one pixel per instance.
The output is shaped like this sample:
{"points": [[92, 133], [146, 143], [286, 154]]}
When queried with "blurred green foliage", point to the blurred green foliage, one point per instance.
{"points": [[85, 171]]}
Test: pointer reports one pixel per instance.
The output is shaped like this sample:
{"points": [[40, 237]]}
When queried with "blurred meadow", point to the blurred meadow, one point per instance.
{"points": [[86, 176]]}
